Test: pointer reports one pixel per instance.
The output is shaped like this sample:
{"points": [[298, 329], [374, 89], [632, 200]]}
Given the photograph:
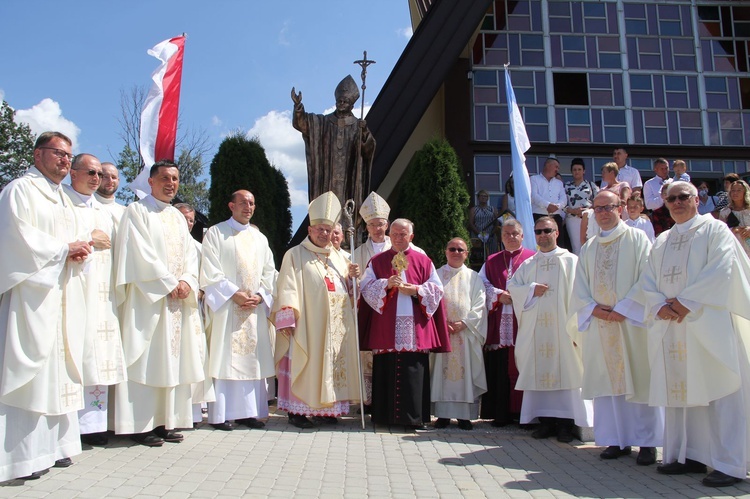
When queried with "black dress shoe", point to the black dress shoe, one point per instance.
{"points": [[442, 423], [718, 479], [95, 439], [676, 468], [544, 430], [321, 420], [614, 451], [418, 427], [225, 426], [646, 456], [499, 424], [251, 423], [148, 439], [465, 424], [565, 433], [63, 463], [168, 435], [300, 421], [34, 476]]}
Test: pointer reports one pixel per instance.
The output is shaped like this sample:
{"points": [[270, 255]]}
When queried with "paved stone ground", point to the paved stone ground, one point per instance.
{"points": [[345, 461]]}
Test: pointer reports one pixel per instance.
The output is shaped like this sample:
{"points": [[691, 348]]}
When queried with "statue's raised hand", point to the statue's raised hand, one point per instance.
{"points": [[296, 97]]}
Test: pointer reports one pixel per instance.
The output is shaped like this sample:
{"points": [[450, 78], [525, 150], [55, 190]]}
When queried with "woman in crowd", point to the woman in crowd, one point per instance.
{"points": [[737, 213], [580, 194], [622, 189], [482, 221], [706, 202]]}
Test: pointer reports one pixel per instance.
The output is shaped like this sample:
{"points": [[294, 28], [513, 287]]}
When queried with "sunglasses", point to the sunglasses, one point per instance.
{"points": [[608, 208], [90, 173], [456, 250], [681, 197], [539, 232]]}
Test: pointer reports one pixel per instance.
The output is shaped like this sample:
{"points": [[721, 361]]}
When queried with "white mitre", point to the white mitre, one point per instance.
{"points": [[374, 207], [325, 209]]}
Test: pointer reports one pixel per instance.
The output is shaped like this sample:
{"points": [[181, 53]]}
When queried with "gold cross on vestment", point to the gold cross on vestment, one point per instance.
{"points": [[545, 319], [548, 380], [547, 350], [105, 331], [108, 369], [678, 351], [547, 264], [679, 391], [673, 274], [70, 391], [679, 242], [103, 291]]}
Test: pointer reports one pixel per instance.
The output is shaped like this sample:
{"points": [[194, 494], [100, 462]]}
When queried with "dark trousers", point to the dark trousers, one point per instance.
{"points": [[401, 388]]}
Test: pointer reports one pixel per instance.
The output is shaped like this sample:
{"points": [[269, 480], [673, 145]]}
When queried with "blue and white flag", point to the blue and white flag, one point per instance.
{"points": [[519, 144]]}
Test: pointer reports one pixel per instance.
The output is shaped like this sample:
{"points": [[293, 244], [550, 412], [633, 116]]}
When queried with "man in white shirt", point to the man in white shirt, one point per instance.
{"points": [[627, 173], [652, 188], [548, 197]]}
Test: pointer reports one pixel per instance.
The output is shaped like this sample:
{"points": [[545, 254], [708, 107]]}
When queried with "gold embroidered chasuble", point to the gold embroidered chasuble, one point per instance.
{"points": [[240, 341], [459, 376], [323, 351], [546, 355]]}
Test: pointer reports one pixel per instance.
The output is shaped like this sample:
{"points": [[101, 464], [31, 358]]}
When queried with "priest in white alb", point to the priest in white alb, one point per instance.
{"points": [[615, 351], [457, 377], [316, 347], [105, 194], [697, 303], [548, 345], [162, 335], [238, 277], [103, 360], [41, 301]]}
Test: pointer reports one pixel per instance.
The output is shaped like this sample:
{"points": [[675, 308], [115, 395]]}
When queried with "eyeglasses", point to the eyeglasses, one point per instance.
{"points": [[681, 197], [456, 250], [374, 225], [59, 153], [539, 232], [90, 173], [608, 208]]}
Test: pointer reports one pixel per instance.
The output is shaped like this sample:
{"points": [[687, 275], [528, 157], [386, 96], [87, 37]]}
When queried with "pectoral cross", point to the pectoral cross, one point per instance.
{"points": [[105, 331], [108, 369], [679, 241], [548, 381], [673, 274], [70, 391], [679, 391], [547, 350], [678, 352], [545, 319], [547, 265]]}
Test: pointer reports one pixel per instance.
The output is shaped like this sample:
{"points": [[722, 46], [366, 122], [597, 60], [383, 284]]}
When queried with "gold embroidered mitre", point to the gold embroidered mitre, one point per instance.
{"points": [[374, 207], [325, 209]]}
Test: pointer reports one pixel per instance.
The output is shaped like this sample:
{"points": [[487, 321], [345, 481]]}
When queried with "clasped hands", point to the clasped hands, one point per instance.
{"points": [[246, 301], [405, 288], [606, 313], [673, 311], [181, 292]]}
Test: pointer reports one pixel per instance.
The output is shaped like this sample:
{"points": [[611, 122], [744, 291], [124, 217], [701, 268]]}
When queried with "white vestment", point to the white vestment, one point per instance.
{"points": [[457, 377], [113, 207], [41, 302], [103, 360], [615, 354], [163, 338], [699, 367], [237, 257], [548, 344]]}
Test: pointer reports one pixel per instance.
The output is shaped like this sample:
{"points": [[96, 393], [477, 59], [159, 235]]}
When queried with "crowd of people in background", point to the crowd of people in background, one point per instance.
{"points": [[115, 320]]}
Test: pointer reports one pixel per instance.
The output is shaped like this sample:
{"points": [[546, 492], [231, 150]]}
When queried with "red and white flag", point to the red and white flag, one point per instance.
{"points": [[159, 115]]}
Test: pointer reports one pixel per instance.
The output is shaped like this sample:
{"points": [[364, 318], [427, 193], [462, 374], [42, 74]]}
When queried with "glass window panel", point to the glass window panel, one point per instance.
{"points": [[732, 137], [656, 135], [488, 78], [684, 63], [497, 114], [615, 135], [734, 92], [573, 43], [611, 61], [559, 9], [730, 120], [654, 118], [687, 21], [538, 133], [693, 92], [480, 123], [673, 130], [601, 97], [690, 119], [496, 57], [599, 80], [559, 25], [484, 164], [514, 49], [649, 46], [592, 9], [536, 16], [591, 52], [579, 117], [706, 13], [717, 101], [485, 95], [520, 7], [597, 127], [740, 13], [640, 82], [614, 117], [683, 47], [642, 99], [556, 51], [487, 182], [609, 44], [561, 123], [524, 95], [659, 92], [666, 55], [494, 132], [724, 64], [632, 53], [635, 27], [532, 42], [722, 47], [533, 58], [709, 29], [692, 137], [669, 12], [518, 23], [638, 126], [596, 25], [670, 28], [499, 41], [522, 79], [713, 129], [579, 134], [675, 83], [535, 115], [617, 90], [700, 165], [650, 62], [575, 59]]}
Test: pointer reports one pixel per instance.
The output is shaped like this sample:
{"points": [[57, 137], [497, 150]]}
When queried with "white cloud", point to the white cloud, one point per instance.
{"points": [[357, 109], [216, 121], [47, 116], [405, 32], [283, 40]]}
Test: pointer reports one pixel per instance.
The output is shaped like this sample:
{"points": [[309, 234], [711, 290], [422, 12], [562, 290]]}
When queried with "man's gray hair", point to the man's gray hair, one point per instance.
{"points": [[693, 190], [404, 222], [185, 206], [512, 222]]}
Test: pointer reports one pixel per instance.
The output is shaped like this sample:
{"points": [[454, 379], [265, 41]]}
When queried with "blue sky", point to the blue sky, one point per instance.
{"points": [[64, 65]]}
